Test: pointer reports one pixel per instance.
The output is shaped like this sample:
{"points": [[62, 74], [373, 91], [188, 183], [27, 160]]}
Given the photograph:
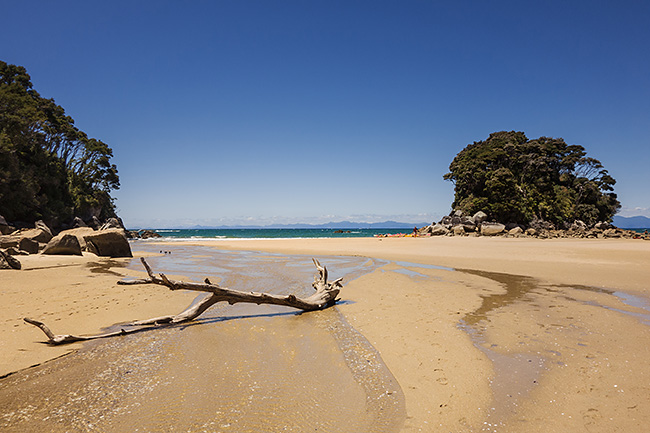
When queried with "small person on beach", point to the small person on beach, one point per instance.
{"points": [[415, 232]]}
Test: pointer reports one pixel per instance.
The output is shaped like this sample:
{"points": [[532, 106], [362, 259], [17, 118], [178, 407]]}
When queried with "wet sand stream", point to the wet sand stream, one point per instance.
{"points": [[241, 368]]}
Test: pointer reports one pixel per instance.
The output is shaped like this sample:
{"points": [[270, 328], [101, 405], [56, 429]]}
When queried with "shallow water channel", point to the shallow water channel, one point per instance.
{"points": [[239, 368]]}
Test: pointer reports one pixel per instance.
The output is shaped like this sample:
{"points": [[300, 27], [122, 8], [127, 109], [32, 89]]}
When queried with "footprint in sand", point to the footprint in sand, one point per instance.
{"points": [[590, 418]]}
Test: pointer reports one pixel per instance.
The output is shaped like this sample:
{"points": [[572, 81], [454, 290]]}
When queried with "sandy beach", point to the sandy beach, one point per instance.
{"points": [[482, 334]]}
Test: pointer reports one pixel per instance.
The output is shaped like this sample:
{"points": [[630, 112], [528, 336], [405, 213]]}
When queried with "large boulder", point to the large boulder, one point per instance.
{"points": [[468, 224], [578, 226], [147, 234], [130, 234], [439, 230], [602, 225], [109, 242], [492, 229], [36, 234], [446, 220], [5, 228], [94, 222], [78, 222], [479, 217], [9, 241], [40, 224], [79, 232], [13, 251], [8, 262], [515, 231], [28, 245], [112, 223], [541, 225], [612, 233], [63, 244]]}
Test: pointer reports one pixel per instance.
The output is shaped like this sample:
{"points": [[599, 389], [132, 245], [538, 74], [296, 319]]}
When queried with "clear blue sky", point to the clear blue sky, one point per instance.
{"points": [[224, 112]]}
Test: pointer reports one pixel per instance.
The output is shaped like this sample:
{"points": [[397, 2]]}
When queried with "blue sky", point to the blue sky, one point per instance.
{"points": [[236, 112]]}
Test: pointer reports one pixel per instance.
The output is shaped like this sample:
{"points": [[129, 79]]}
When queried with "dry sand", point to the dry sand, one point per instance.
{"points": [[533, 335], [72, 295]]}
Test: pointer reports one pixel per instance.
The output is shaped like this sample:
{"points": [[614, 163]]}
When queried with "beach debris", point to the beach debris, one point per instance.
{"points": [[325, 296]]}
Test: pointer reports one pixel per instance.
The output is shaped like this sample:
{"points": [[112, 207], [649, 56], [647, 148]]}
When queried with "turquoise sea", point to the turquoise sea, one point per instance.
{"points": [[281, 233], [265, 233]]}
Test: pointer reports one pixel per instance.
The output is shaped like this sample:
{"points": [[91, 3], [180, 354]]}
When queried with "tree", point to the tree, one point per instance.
{"points": [[514, 179], [49, 169]]}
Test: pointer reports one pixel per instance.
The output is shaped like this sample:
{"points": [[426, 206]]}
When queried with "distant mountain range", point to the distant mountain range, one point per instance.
{"points": [[635, 222], [331, 225]]}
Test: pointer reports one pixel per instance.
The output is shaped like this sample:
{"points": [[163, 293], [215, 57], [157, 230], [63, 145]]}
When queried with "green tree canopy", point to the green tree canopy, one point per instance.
{"points": [[49, 169], [514, 179]]}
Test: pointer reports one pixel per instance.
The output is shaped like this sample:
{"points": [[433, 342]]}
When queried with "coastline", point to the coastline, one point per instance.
{"points": [[614, 263], [579, 349]]}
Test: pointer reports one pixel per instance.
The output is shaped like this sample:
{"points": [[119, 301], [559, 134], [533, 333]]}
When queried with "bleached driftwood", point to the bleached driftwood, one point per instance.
{"points": [[324, 296]]}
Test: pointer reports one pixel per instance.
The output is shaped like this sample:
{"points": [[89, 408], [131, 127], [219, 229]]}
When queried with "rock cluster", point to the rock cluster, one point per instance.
{"points": [[107, 240], [142, 234], [459, 224]]}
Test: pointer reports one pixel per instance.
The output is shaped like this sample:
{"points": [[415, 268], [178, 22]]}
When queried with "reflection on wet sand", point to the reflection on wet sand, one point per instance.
{"points": [[542, 340], [238, 368]]}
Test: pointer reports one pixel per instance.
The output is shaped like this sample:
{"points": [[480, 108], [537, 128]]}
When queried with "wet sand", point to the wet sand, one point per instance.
{"points": [[526, 335], [508, 335], [72, 295], [243, 368]]}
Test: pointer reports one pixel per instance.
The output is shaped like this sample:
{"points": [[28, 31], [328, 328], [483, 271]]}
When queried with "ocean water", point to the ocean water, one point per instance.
{"points": [[182, 234], [283, 233]]}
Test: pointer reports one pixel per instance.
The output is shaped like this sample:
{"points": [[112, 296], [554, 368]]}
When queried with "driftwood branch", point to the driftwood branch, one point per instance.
{"points": [[324, 296]]}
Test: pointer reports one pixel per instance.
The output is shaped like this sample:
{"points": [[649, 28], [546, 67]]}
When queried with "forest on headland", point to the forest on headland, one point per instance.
{"points": [[50, 170], [516, 180]]}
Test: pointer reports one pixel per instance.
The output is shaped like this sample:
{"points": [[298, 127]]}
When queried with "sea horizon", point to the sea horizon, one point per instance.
{"points": [[283, 233], [274, 233]]}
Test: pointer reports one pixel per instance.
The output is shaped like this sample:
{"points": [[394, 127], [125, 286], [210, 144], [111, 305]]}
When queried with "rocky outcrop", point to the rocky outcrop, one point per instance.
{"points": [[8, 241], [112, 223], [7, 261], [516, 231], [41, 234], [78, 222], [433, 230], [479, 217], [31, 240], [5, 228], [64, 244], [439, 230], [28, 245], [459, 230], [109, 243], [492, 229], [147, 234], [79, 233], [94, 222], [40, 225], [458, 224], [37, 235]]}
